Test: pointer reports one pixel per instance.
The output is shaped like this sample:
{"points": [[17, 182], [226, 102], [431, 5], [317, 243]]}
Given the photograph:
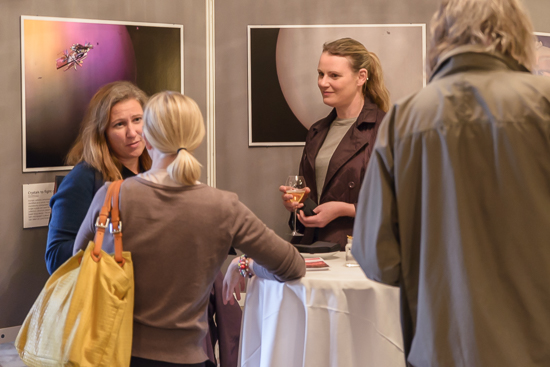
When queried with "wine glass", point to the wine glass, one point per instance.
{"points": [[296, 186]]}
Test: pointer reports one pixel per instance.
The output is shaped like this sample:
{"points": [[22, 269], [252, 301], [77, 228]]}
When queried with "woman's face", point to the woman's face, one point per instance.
{"points": [[338, 83], [124, 131]]}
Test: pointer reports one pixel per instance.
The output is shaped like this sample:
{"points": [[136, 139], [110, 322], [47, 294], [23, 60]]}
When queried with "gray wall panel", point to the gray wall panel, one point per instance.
{"points": [[22, 267]]}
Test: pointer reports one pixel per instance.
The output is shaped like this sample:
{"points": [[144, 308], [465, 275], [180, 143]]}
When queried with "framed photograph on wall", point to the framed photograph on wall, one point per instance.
{"points": [[65, 61], [283, 97], [542, 49]]}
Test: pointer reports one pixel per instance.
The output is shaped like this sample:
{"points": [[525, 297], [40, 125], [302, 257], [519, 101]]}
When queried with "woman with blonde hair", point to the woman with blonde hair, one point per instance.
{"points": [[179, 232], [339, 146], [108, 147]]}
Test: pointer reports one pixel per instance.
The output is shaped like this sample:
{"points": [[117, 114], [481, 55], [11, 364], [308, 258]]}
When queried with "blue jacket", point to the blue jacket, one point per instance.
{"points": [[69, 207]]}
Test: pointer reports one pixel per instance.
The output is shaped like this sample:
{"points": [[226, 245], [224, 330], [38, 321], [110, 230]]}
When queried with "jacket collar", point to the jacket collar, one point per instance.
{"points": [[473, 57], [353, 141], [367, 115]]}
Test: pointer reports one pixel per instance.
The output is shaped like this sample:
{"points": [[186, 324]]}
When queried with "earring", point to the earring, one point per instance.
{"points": [[367, 78]]}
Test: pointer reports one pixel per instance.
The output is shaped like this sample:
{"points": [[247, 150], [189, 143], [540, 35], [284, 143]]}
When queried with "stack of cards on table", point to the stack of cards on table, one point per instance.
{"points": [[316, 263]]}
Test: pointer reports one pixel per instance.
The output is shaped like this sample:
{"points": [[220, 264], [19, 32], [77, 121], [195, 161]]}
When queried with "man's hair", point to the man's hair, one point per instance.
{"points": [[501, 26]]}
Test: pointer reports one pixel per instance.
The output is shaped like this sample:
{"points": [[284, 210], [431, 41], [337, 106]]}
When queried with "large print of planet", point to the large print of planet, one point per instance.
{"points": [[55, 100]]}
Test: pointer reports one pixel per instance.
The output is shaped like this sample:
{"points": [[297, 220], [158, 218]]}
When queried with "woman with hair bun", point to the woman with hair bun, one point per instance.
{"points": [[179, 232], [339, 146]]}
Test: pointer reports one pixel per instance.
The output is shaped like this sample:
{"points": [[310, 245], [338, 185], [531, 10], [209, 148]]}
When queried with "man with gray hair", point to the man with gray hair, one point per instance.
{"points": [[455, 205]]}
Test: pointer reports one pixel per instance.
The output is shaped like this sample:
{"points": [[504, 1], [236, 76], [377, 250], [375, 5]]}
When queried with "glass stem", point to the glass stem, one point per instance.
{"points": [[294, 233]]}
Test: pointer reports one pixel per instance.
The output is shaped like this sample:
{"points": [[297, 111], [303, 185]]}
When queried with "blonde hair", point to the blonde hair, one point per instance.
{"points": [[173, 124], [360, 58], [92, 146], [499, 25]]}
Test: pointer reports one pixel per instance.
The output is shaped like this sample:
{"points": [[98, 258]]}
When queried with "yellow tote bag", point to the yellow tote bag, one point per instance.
{"points": [[84, 315]]}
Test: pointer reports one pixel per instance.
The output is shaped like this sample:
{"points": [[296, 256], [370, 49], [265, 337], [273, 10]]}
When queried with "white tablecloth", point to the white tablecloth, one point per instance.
{"points": [[335, 318]]}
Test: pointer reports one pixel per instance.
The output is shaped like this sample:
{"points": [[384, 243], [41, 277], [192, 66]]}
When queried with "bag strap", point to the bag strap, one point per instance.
{"points": [[102, 222], [116, 223]]}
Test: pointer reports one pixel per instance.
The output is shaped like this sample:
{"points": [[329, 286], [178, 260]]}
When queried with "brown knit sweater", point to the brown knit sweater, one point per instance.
{"points": [[179, 237]]}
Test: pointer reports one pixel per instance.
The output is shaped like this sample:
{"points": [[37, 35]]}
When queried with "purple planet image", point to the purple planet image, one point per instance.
{"points": [[55, 100]]}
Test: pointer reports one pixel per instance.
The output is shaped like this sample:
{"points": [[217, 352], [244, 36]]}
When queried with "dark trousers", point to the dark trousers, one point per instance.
{"points": [[142, 362]]}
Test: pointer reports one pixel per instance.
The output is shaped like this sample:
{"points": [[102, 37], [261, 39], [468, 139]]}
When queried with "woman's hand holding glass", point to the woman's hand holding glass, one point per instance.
{"points": [[324, 213], [287, 198], [295, 191]]}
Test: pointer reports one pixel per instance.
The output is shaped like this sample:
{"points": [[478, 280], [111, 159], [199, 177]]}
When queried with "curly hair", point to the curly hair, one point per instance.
{"points": [[499, 25]]}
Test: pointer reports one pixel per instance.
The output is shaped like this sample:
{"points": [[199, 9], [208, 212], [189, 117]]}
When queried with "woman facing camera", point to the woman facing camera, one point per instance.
{"points": [[109, 147], [339, 146], [179, 232]]}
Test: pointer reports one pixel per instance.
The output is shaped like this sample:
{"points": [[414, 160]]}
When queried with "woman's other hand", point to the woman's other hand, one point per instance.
{"points": [[326, 213], [291, 205], [233, 282]]}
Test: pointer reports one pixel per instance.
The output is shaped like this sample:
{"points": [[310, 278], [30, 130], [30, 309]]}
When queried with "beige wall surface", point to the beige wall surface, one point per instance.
{"points": [[539, 10], [22, 267]]}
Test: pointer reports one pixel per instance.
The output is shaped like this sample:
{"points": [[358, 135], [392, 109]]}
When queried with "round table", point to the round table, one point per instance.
{"points": [[334, 317]]}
